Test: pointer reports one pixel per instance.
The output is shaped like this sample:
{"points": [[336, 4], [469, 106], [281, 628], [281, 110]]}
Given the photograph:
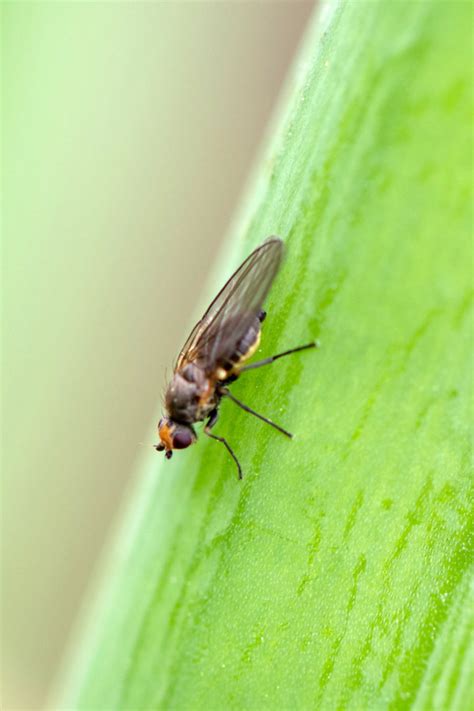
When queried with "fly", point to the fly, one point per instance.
{"points": [[215, 353]]}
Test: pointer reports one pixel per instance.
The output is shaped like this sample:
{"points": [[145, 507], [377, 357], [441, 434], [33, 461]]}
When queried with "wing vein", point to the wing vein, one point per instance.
{"points": [[215, 337]]}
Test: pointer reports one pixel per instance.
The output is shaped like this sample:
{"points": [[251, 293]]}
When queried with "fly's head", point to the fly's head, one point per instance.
{"points": [[173, 435]]}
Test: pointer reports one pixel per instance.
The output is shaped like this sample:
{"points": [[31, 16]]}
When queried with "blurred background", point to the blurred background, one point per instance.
{"points": [[128, 131]]}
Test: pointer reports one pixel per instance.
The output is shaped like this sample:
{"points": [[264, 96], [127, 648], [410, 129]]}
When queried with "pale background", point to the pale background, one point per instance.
{"points": [[128, 131]]}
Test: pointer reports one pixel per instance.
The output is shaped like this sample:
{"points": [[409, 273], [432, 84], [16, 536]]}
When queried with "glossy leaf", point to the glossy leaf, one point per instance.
{"points": [[336, 575]]}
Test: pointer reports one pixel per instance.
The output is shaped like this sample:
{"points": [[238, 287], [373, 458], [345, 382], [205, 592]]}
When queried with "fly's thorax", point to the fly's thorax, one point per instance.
{"points": [[186, 394]]}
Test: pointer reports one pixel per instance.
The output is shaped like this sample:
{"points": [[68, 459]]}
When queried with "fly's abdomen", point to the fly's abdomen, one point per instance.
{"points": [[244, 350], [248, 344]]}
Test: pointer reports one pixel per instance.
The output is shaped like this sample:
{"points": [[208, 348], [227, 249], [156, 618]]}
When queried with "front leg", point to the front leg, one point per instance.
{"points": [[207, 430]]}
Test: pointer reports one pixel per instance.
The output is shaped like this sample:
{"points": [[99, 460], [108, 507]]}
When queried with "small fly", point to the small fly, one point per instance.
{"points": [[215, 353]]}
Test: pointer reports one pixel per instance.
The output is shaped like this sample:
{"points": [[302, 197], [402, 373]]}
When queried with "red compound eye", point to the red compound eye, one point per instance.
{"points": [[182, 439]]}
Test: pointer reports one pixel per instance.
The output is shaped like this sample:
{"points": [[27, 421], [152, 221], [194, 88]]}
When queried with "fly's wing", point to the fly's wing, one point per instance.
{"points": [[215, 337]]}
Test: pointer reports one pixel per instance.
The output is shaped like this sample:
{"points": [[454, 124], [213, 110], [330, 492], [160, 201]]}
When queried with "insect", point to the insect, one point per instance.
{"points": [[215, 353]]}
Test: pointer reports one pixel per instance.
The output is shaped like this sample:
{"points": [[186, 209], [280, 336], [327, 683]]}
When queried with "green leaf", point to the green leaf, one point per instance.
{"points": [[336, 574]]}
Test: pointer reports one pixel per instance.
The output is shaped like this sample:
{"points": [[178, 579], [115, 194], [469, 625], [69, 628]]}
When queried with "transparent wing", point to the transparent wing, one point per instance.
{"points": [[215, 337]]}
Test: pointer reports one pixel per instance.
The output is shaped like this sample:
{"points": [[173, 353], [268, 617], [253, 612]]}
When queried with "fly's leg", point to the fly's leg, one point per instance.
{"points": [[213, 417], [227, 393], [267, 361], [207, 430]]}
